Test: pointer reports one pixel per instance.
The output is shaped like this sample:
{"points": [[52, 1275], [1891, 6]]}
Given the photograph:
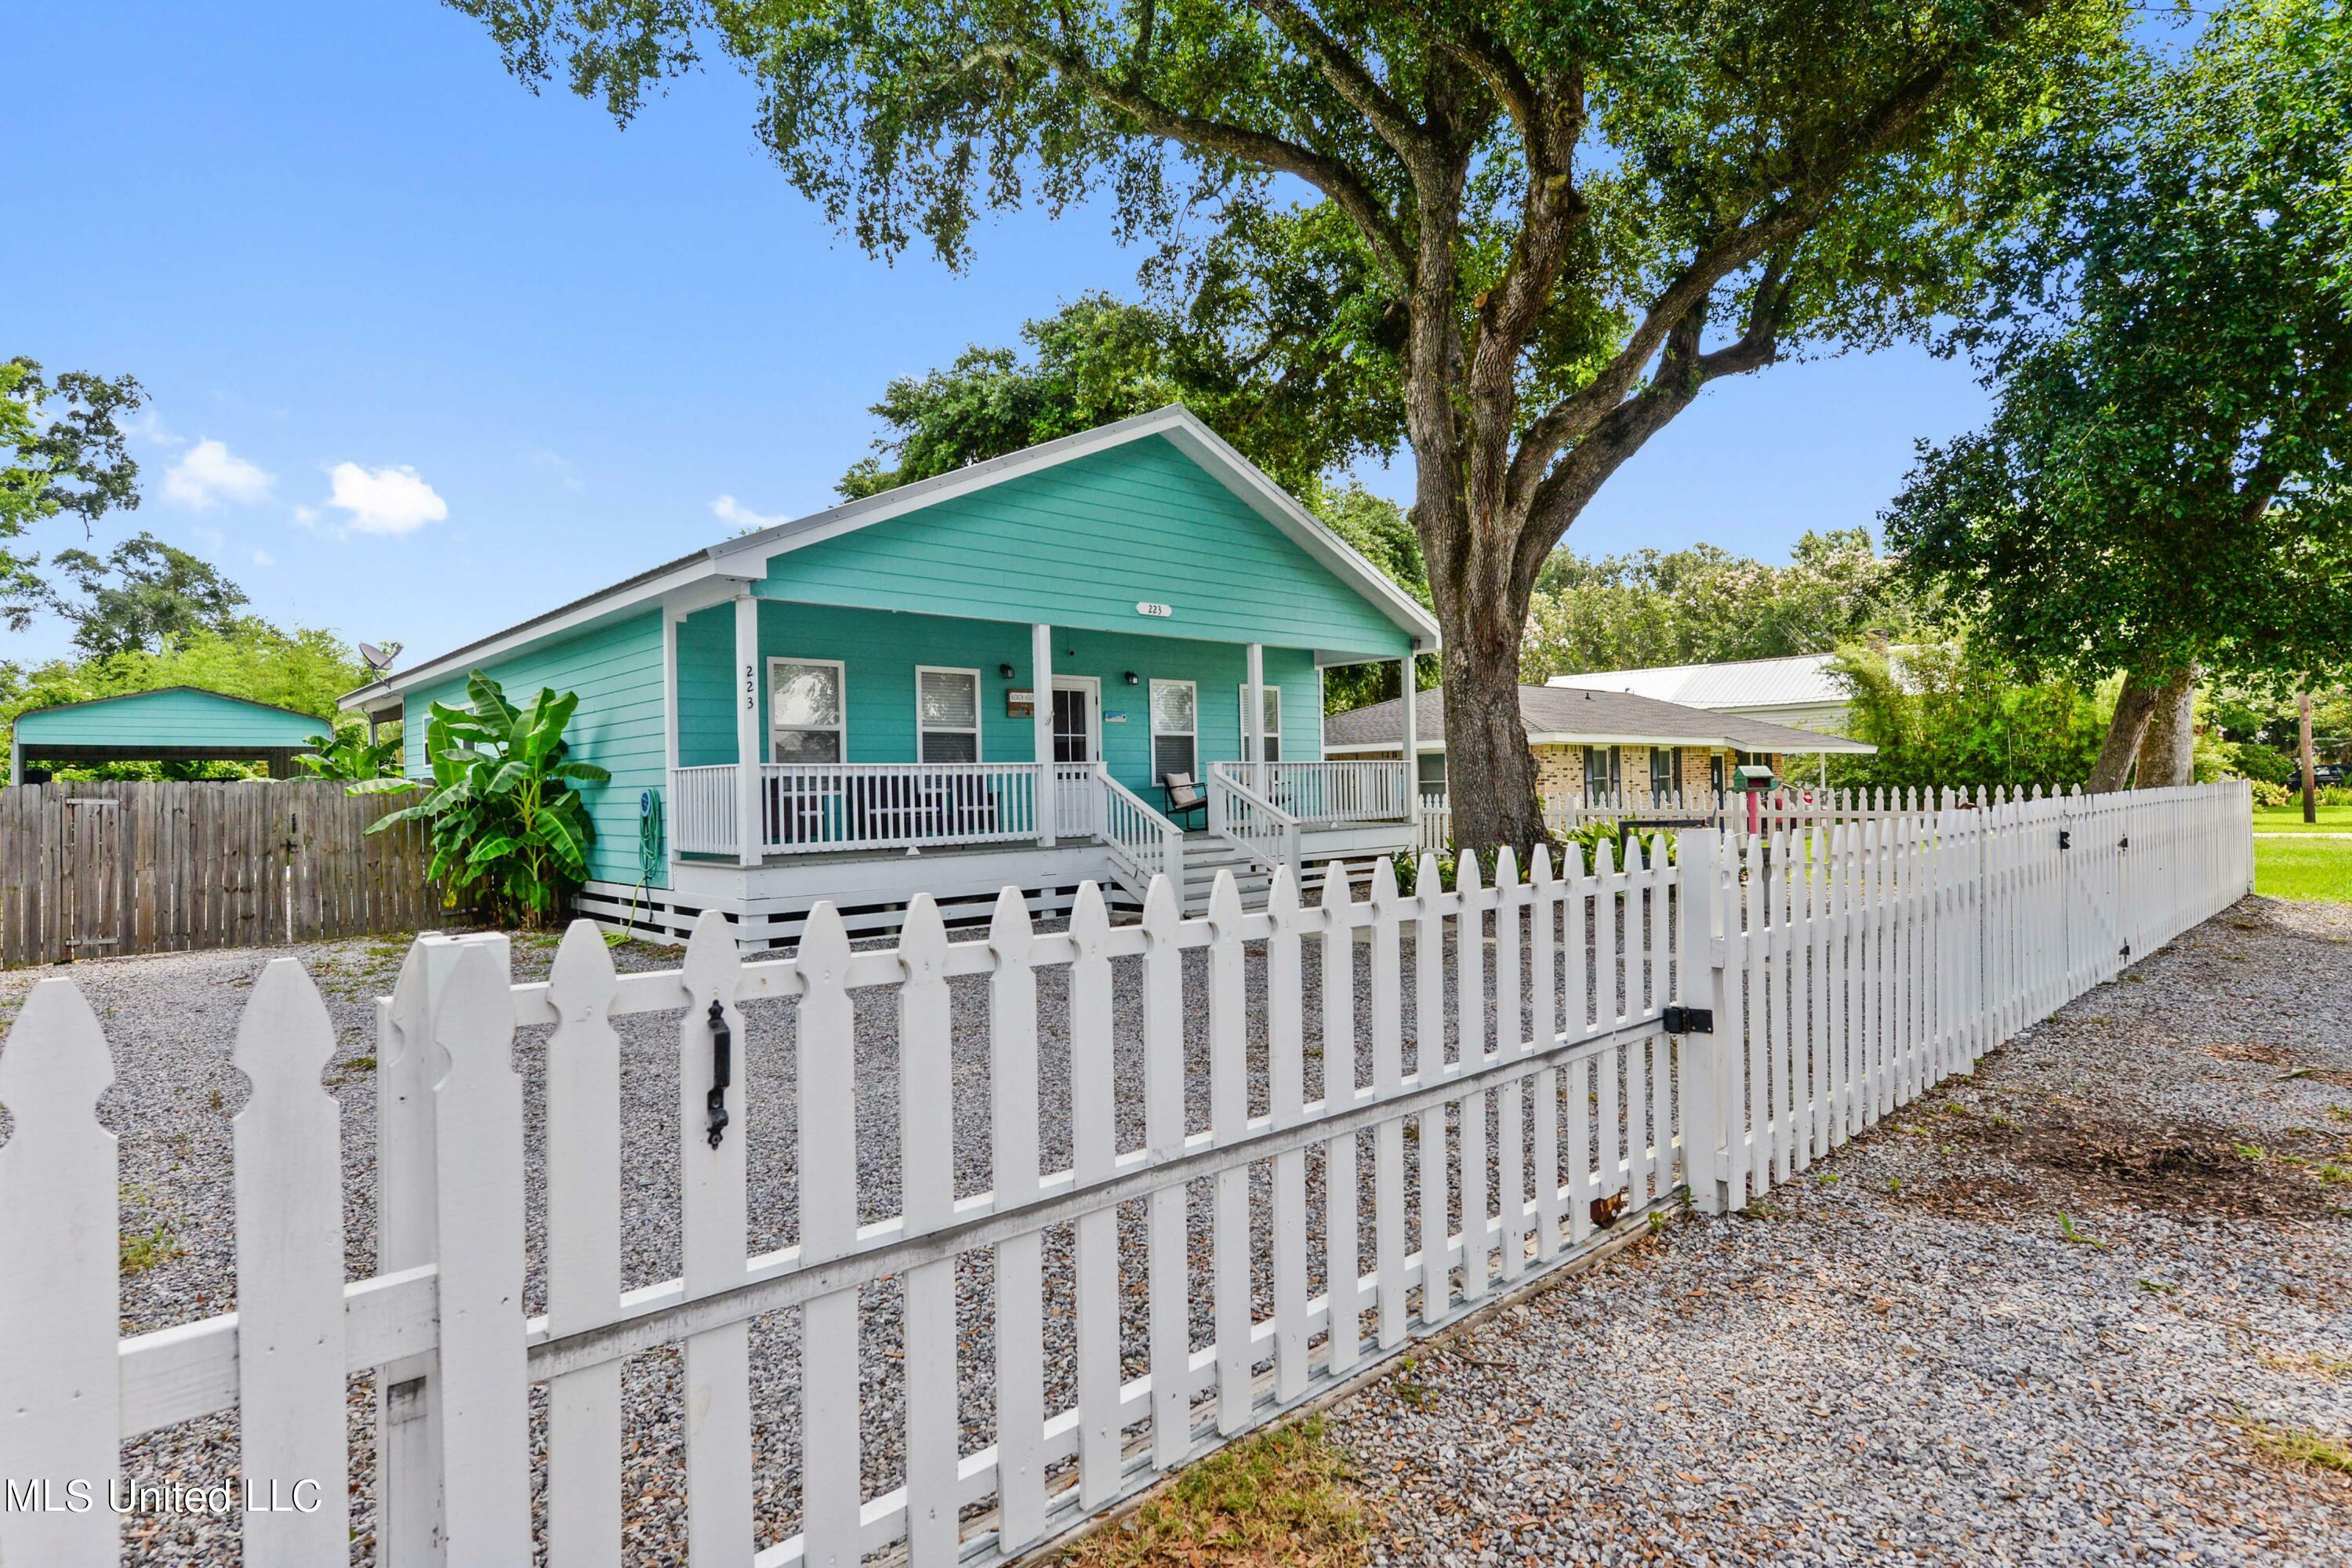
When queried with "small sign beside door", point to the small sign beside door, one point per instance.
{"points": [[1020, 702]]}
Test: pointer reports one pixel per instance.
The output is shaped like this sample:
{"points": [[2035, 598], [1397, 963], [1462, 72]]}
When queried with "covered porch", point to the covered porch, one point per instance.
{"points": [[805, 734]]}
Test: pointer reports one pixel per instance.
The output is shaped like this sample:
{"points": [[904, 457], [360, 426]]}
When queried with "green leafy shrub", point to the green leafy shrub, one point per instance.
{"points": [[1587, 837], [508, 828], [2267, 793], [351, 756], [2264, 765]]}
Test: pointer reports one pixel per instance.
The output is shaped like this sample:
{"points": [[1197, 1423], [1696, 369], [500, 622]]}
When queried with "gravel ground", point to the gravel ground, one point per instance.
{"points": [[1901, 1357]]}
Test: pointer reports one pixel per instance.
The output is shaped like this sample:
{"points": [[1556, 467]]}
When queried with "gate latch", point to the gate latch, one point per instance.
{"points": [[1681, 1020], [722, 1071], [2125, 842]]}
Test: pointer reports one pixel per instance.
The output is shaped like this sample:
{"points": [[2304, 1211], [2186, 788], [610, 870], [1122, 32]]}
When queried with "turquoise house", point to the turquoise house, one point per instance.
{"points": [[1101, 657]]}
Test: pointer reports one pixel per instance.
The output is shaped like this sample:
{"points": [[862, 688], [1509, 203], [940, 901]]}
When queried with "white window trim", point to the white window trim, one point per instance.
{"points": [[1241, 711], [921, 728], [1152, 714], [841, 686]]}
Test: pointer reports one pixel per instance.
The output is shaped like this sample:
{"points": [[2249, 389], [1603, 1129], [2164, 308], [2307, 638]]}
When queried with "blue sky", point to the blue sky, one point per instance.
{"points": [[427, 354]]}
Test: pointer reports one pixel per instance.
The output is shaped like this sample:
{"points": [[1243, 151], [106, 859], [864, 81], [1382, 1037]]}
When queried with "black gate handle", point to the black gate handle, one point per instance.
{"points": [[722, 1071]]}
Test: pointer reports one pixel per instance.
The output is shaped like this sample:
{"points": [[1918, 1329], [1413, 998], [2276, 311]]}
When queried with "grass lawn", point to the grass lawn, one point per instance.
{"points": [[2304, 868], [2289, 819]]}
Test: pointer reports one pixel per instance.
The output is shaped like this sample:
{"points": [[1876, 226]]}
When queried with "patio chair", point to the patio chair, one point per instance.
{"points": [[1182, 796]]}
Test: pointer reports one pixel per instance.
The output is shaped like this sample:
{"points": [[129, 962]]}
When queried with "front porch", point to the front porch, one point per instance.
{"points": [[875, 754]]}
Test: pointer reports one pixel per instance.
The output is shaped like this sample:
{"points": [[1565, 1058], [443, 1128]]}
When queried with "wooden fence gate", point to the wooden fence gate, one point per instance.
{"points": [[89, 870]]}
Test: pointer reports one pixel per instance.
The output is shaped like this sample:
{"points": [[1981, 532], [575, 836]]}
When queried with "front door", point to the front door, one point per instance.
{"points": [[1073, 724]]}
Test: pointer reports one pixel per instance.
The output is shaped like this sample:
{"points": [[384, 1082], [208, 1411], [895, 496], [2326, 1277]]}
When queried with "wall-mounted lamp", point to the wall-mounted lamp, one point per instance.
{"points": [[1129, 678], [1005, 670]]}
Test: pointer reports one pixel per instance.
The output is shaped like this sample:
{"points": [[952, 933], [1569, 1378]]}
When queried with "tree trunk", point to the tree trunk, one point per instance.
{"points": [[2304, 754], [2133, 705], [2167, 751], [1490, 774]]}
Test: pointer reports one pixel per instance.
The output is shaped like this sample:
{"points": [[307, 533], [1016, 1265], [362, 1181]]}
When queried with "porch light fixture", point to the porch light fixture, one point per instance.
{"points": [[1129, 678], [1005, 670]]}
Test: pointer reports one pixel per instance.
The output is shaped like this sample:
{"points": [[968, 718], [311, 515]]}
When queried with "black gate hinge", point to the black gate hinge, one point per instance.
{"points": [[1682, 1020], [2066, 839], [2127, 953], [2125, 842]]}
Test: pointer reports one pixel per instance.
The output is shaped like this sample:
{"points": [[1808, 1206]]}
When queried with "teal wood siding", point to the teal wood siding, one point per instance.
{"points": [[168, 718], [705, 705], [617, 672], [1080, 544], [880, 653]]}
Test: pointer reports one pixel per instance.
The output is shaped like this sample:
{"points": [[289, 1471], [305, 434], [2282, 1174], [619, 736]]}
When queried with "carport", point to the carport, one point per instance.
{"points": [[171, 724]]}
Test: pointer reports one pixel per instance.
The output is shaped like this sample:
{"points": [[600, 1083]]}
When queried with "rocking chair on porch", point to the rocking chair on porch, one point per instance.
{"points": [[1184, 796]]}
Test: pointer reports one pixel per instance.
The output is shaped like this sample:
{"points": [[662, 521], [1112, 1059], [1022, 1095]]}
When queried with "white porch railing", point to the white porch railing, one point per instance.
{"points": [[1248, 819], [1143, 844], [702, 810], [1322, 792]]}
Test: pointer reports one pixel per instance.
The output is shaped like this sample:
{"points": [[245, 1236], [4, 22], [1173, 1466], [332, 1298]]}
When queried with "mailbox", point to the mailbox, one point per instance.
{"points": [[1752, 778]]}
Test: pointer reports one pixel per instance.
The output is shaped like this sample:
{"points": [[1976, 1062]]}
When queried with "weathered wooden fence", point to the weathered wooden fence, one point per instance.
{"points": [[93, 869], [1713, 1024]]}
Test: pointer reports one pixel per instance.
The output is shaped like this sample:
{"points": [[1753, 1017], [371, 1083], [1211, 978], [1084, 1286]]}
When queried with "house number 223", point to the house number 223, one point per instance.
{"points": [[751, 687]]}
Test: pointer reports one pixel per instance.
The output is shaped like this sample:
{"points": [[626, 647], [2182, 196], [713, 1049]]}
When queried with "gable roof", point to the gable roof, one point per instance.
{"points": [[747, 557], [1559, 715], [318, 725], [1798, 680]]}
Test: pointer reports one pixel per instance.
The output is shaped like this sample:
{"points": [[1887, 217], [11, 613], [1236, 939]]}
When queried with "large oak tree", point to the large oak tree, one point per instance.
{"points": [[1568, 216]]}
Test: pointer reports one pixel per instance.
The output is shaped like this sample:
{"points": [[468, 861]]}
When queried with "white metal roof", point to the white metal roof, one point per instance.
{"points": [[1799, 680]]}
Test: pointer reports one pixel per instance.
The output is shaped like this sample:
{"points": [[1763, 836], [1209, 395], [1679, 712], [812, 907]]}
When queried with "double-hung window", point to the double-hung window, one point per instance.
{"points": [[805, 710], [1665, 772], [947, 714], [1175, 728], [1273, 710]]}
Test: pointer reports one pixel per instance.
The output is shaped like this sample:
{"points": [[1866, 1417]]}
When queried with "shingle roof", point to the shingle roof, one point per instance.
{"points": [[1797, 680], [1562, 715]]}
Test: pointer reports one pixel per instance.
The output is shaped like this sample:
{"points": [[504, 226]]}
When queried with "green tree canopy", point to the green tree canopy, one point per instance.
{"points": [[1555, 223], [1703, 604], [1272, 384], [141, 594], [2163, 483], [61, 451]]}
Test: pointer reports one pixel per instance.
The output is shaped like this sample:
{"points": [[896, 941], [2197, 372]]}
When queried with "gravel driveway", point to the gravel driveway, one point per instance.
{"points": [[1902, 1358]]}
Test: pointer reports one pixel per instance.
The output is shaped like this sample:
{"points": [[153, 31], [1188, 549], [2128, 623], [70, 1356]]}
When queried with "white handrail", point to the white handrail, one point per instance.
{"points": [[1143, 844], [1249, 821], [828, 806], [1334, 790]]}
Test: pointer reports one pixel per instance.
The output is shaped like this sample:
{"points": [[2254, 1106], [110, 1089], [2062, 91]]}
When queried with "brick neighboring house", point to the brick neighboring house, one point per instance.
{"points": [[1594, 745]]}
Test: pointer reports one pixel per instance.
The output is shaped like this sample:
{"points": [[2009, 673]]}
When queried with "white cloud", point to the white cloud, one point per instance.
{"points": [[212, 539], [384, 500], [209, 473], [727, 508], [263, 558]]}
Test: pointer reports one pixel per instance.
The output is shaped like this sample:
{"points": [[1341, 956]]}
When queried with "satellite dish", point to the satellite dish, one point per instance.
{"points": [[379, 658]]}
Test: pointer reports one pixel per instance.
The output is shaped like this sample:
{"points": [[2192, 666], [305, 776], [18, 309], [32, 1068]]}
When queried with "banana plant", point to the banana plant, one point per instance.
{"points": [[508, 827], [349, 755]]}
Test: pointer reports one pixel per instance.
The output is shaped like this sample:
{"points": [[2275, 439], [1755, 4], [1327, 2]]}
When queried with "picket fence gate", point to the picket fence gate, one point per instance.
{"points": [[1813, 984]]}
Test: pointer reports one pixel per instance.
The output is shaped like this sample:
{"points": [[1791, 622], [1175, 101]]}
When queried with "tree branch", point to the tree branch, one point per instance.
{"points": [[1393, 123], [1335, 180], [1583, 412]]}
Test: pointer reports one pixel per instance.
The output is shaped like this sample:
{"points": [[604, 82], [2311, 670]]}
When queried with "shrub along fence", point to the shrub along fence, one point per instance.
{"points": [[89, 870], [1715, 1023]]}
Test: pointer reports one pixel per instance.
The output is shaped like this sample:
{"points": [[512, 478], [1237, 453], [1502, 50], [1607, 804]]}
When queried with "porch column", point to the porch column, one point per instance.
{"points": [[1411, 753], [1041, 720], [749, 751], [1253, 716]]}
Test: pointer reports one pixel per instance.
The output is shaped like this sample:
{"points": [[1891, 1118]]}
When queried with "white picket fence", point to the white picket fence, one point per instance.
{"points": [[1814, 983]]}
